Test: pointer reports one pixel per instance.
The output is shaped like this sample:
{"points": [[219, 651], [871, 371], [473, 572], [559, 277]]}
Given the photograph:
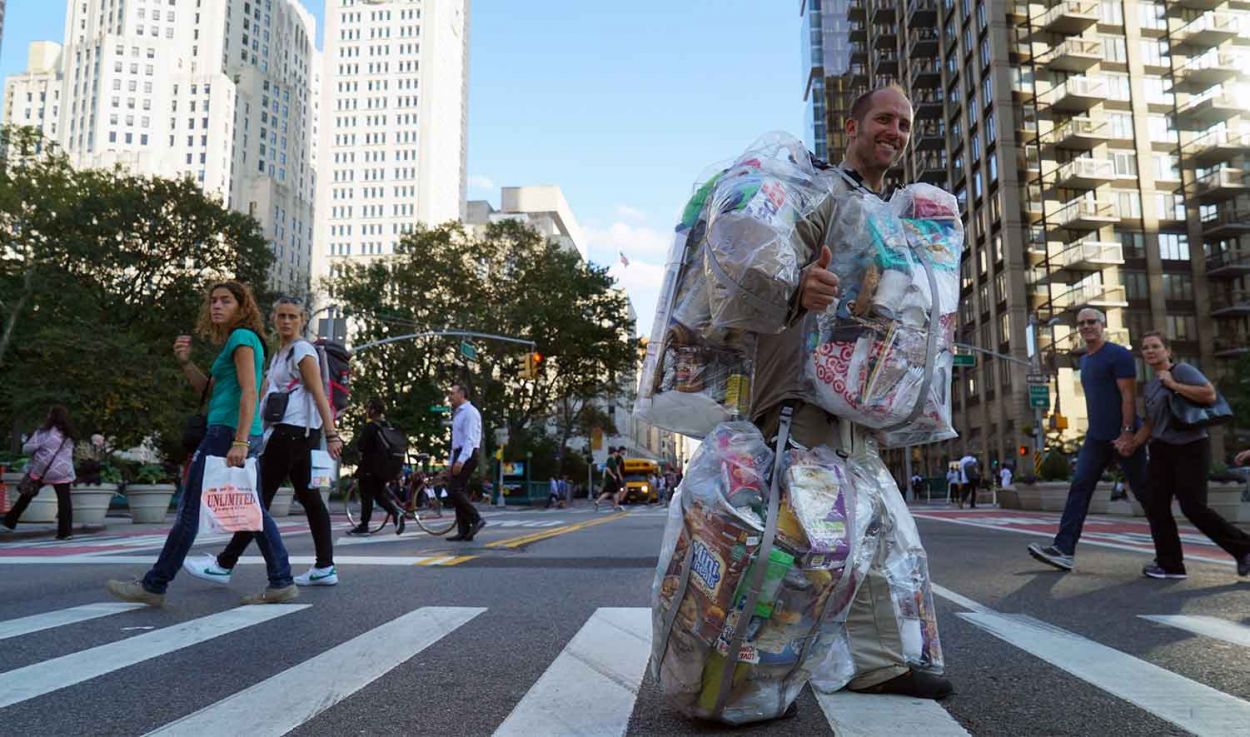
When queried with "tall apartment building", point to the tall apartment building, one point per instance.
{"points": [[393, 123], [222, 94], [1099, 148], [33, 98]]}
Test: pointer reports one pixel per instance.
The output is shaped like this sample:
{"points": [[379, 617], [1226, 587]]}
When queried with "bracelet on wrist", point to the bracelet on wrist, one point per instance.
{"points": [[241, 444]]}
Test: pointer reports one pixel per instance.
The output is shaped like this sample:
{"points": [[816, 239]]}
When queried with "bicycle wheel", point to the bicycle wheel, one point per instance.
{"points": [[435, 525], [351, 505]]}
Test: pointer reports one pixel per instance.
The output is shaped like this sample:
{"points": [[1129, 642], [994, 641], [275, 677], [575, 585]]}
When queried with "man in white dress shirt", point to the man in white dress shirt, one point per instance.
{"points": [[466, 443]]}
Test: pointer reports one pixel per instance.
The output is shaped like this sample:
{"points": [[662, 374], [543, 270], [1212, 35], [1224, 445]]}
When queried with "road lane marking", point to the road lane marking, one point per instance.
{"points": [[68, 670], [516, 542], [1085, 539], [62, 617], [1214, 627], [279, 704], [870, 715], [591, 686], [147, 560], [1190, 705]]}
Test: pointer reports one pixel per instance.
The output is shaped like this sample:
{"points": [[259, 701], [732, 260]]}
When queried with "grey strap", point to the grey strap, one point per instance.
{"points": [[930, 356], [756, 575], [771, 311]]}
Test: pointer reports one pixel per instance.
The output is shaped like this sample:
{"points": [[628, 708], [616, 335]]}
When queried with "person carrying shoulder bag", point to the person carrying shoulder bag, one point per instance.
{"points": [[51, 451], [1179, 459], [295, 405]]}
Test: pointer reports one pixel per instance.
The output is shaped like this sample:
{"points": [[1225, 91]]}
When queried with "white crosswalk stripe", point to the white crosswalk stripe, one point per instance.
{"points": [[287, 700], [863, 715], [1214, 627], [52, 675], [591, 687], [62, 617]]}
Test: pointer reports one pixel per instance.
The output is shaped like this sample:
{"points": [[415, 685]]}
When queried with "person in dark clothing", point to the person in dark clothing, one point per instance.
{"points": [[372, 486], [1179, 458], [466, 443]]}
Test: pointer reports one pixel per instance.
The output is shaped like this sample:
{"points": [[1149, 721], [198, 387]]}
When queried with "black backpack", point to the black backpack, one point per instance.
{"points": [[386, 460], [336, 371], [972, 470]]}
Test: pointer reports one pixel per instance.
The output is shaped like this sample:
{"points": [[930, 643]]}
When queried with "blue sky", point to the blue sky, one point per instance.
{"points": [[620, 104]]}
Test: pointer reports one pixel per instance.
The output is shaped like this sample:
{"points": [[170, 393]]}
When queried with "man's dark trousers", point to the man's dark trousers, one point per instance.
{"points": [[458, 493], [1091, 462]]}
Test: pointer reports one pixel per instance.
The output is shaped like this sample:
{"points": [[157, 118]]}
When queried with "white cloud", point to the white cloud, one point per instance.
{"points": [[479, 181], [641, 281], [632, 214], [635, 241]]}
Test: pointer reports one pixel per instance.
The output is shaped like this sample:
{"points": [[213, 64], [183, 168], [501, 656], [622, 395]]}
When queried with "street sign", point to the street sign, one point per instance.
{"points": [[440, 409], [501, 436], [965, 359], [1039, 396], [468, 350], [1038, 378]]}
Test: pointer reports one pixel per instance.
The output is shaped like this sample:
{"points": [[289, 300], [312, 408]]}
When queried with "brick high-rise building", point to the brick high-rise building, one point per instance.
{"points": [[1100, 150]]}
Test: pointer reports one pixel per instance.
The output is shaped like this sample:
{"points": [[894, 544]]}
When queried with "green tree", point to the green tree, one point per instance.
{"points": [[100, 269], [508, 280]]}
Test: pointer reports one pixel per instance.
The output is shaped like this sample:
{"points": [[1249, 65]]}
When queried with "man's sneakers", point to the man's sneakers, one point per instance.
{"points": [[273, 596], [134, 592], [475, 528], [913, 683], [1050, 555], [1154, 570], [1243, 565], [205, 568], [359, 531], [318, 577], [399, 524]]}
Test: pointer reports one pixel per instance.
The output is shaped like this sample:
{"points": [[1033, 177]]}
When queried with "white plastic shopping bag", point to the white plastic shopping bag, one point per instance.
{"points": [[322, 470], [229, 502]]}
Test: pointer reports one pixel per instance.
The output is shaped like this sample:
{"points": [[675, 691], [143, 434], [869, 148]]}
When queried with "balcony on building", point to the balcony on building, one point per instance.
{"points": [[1231, 346], [883, 11], [1085, 173], [923, 41], [1212, 28], [855, 9], [1068, 17], [884, 37], [857, 31], [1230, 303], [922, 13], [928, 104], [1180, 7], [1072, 55], [931, 167], [857, 74], [1092, 294], [926, 73], [1221, 184], [858, 51], [1087, 255], [1204, 111], [1217, 66], [1079, 133], [886, 63], [1085, 214], [929, 135], [1229, 264], [1075, 94], [1217, 147], [1225, 222]]}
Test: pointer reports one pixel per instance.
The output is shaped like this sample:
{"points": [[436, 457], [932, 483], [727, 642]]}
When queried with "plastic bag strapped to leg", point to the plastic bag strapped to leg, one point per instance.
{"points": [[881, 355], [732, 270], [742, 609]]}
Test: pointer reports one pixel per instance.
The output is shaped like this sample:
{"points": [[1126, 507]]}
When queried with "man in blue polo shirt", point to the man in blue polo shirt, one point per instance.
{"points": [[1109, 378]]}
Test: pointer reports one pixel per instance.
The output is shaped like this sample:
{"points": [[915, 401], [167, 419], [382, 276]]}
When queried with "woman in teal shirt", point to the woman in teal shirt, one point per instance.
{"points": [[230, 316]]}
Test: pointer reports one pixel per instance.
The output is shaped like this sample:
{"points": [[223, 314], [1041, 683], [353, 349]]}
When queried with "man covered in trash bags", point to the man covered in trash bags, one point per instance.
{"points": [[877, 132], [843, 596]]}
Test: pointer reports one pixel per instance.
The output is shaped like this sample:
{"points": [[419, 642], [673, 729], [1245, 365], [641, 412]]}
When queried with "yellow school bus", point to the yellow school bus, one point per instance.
{"points": [[639, 474]]}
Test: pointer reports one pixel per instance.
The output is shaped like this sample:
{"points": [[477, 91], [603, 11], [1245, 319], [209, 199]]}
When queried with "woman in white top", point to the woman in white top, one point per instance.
{"points": [[295, 370], [51, 451]]}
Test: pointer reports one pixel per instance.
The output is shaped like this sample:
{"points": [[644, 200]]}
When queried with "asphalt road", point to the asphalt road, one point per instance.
{"points": [[523, 633]]}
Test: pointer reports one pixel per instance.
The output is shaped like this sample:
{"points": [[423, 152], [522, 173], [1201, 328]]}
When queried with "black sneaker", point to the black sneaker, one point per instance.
{"points": [[1154, 570], [359, 531], [1051, 555], [912, 683], [1243, 565], [399, 524], [475, 528]]}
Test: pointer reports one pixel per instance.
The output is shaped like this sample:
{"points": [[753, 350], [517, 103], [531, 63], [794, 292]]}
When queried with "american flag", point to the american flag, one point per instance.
{"points": [[624, 261]]}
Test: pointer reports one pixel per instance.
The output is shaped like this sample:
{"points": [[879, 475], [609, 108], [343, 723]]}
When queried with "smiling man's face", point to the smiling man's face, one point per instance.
{"points": [[877, 142]]}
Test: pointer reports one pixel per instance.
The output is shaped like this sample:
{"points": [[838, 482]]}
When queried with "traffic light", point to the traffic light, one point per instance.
{"points": [[529, 370], [1023, 450]]}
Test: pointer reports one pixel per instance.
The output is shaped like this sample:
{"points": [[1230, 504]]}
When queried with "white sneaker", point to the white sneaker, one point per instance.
{"points": [[205, 567], [318, 577]]}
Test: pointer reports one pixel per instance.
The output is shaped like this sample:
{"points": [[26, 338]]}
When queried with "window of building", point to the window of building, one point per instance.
{"points": [[1125, 163], [1113, 49], [1178, 286], [1182, 327], [1136, 285], [1174, 246], [1129, 204], [1134, 244], [1166, 167]]}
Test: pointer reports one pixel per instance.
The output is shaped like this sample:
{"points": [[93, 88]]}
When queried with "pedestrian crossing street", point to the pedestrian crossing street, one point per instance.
{"points": [[593, 685]]}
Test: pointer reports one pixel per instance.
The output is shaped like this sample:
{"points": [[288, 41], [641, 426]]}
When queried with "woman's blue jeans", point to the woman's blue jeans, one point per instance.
{"points": [[181, 537]]}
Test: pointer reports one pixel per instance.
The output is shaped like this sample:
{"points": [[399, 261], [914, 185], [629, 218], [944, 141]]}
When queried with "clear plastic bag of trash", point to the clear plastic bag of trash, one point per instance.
{"points": [[881, 355]]}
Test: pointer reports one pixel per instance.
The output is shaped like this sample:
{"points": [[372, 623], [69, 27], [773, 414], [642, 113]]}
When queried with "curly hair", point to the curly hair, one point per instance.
{"points": [[248, 315]]}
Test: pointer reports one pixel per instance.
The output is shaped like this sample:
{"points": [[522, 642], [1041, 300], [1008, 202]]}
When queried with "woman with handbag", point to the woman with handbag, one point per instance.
{"points": [[228, 316], [51, 451], [1180, 456], [296, 408]]}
